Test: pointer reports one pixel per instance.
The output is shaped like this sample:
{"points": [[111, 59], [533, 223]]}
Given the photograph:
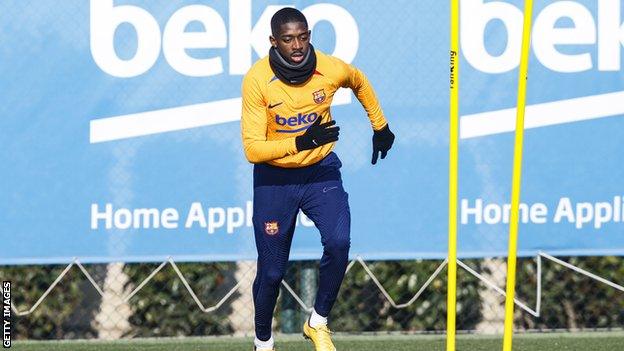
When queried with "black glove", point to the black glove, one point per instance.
{"points": [[317, 134], [382, 142]]}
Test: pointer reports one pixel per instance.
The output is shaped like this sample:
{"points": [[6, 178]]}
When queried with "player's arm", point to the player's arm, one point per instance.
{"points": [[357, 81], [254, 127], [383, 138]]}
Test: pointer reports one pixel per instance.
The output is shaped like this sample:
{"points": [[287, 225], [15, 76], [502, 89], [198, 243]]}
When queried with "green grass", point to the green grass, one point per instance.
{"points": [[603, 341]]}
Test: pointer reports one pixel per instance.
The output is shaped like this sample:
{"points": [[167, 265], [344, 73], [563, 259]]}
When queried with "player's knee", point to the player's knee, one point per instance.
{"points": [[338, 245], [273, 276]]}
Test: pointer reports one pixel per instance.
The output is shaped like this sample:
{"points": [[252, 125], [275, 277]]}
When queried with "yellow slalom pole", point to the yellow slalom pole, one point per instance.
{"points": [[453, 171], [517, 172]]}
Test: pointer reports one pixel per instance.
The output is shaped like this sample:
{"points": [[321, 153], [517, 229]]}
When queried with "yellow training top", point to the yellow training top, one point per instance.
{"points": [[274, 113]]}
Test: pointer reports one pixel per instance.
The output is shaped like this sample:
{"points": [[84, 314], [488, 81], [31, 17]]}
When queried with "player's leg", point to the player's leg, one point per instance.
{"points": [[274, 215], [326, 203]]}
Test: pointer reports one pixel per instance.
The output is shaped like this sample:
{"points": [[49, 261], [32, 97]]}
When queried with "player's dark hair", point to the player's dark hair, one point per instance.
{"points": [[286, 15]]}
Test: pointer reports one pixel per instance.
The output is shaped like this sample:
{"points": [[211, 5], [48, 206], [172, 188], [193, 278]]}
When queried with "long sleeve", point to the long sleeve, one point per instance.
{"points": [[358, 82], [254, 127]]}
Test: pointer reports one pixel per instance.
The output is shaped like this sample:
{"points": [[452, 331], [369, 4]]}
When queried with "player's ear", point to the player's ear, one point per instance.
{"points": [[273, 41]]}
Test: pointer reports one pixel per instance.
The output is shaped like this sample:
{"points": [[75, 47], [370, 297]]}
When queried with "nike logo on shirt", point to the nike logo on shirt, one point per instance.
{"points": [[326, 189], [275, 105]]}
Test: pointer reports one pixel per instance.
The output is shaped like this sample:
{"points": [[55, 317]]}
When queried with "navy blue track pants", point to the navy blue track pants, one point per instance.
{"points": [[279, 194]]}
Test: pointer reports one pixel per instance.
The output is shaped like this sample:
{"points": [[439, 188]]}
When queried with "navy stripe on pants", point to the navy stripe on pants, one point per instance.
{"points": [[279, 194]]}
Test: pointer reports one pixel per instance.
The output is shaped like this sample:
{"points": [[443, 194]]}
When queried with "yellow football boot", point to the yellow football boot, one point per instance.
{"points": [[320, 337]]}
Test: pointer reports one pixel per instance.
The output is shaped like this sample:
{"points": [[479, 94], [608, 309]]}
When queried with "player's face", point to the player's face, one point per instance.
{"points": [[293, 41]]}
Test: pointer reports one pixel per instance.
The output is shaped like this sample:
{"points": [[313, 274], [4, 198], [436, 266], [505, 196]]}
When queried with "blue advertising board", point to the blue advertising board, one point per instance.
{"points": [[120, 135]]}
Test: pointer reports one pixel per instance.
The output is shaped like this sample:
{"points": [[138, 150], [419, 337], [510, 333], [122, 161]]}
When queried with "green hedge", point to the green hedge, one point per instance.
{"points": [[66, 313], [571, 300], [361, 306], [164, 307]]}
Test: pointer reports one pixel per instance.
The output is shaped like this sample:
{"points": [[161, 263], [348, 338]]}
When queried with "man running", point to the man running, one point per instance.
{"points": [[289, 134]]}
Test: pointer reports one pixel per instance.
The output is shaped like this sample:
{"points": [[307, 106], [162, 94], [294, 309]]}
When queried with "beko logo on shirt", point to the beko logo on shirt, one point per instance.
{"points": [[175, 41], [294, 121]]}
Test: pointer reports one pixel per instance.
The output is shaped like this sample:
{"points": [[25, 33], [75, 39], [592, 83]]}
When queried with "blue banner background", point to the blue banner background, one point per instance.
{"points": [[51, 89]]}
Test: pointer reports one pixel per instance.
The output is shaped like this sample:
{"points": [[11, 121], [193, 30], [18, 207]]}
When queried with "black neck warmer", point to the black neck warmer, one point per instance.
{"points": [[289, 73]]}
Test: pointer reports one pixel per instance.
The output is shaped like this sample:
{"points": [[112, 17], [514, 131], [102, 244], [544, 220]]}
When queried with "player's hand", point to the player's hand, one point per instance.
{"points": [[318, 134], [382, 142]]}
